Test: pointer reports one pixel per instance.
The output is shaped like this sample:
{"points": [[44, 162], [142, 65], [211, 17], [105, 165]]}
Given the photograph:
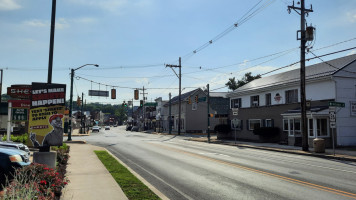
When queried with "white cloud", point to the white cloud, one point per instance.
{"points": [[61, 23], [352, 53], [9, 5], [36, 23], [109, 5], [351, 17]]}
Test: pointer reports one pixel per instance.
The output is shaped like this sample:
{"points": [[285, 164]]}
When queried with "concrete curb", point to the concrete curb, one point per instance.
{"points": [[151, 187]]}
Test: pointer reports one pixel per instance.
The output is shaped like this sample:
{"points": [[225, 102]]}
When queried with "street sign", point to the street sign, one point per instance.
{"points": [[336, 104], [235, 122], [332, 124], [235, 111]]}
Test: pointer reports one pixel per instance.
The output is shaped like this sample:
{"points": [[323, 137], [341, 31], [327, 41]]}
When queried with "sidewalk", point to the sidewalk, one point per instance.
{"points": [[89, 179]]}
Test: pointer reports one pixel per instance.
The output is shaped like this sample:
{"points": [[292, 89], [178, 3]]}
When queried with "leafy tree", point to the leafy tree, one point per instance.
{"points": [[233, 85]]}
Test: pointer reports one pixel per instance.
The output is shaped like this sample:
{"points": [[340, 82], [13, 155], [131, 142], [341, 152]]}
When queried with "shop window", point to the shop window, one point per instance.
{"points": [[322, 127], [268, 99], [255, 101], [254, 124], [236, 103], [292, 96]]}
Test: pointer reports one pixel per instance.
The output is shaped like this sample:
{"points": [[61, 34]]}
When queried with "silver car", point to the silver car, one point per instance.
{"points": [[15, 145]]}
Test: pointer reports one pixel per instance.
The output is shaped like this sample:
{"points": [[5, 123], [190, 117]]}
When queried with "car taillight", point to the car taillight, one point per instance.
{"points": [[15, 158]]}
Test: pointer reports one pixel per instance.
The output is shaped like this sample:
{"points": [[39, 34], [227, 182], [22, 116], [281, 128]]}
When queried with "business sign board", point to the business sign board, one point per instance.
{"points": [[99, 93], [46, 114], [20, 109], [19, 91]]}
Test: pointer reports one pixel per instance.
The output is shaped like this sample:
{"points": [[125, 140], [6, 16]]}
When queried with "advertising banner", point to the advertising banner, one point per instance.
{"points": [[46, 118]]}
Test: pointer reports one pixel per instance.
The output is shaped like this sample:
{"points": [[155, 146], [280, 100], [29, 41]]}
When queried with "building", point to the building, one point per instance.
{"points": [[274, 101], [194, 111]]}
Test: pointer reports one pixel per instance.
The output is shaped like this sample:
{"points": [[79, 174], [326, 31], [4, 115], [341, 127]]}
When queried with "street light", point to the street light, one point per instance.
{"points": [[71, 99]]}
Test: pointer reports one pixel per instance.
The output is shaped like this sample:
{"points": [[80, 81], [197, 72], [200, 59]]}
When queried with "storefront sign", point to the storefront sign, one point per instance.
{"points": [[19, 91]]}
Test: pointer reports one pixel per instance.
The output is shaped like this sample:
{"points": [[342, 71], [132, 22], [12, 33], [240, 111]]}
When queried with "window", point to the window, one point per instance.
{"points": [[253, 124], [297, 126], [269, 123], [292, 96], [321, 127], [311, 125], [236, 103], [285, 125], [268, 99], [255, 101], [291, 127]]}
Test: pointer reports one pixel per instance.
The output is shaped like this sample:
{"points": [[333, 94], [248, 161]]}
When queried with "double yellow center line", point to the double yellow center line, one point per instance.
{"points": [[292, 180]]}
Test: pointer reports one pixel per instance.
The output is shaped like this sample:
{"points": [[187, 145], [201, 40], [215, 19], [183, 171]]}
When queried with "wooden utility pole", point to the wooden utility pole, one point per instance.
{"points": [[170, 115], [51, 42], [180, 90], [303, 40], [208, 105]]}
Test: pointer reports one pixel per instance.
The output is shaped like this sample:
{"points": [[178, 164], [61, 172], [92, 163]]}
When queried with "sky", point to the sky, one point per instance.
{"points": [[132, 41]]}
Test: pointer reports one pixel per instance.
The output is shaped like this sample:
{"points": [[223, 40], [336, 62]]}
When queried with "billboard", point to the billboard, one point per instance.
{"points": [[19, 91], [46, 117]]}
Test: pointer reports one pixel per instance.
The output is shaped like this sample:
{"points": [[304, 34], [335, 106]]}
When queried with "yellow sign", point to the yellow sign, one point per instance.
{"points": [[46, 126]]}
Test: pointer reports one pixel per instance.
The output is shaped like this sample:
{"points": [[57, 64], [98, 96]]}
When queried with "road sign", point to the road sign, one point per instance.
{"points": [[235, 122], [235, 111], [332, 116], [332, 124], [336, 104]]}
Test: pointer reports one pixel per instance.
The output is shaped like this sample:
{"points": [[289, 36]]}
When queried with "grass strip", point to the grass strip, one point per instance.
{"points": [[130, 185]]}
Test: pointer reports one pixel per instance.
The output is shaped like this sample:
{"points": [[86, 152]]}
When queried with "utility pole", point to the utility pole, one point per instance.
{"points": [[1, 70], [180, 89], [170, 115], [81, 115], [303, 40], [143, 106], [208, 103], [51, 42]]}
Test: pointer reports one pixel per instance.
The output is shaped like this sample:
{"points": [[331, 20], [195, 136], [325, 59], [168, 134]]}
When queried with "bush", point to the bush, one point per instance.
{"points": [[222, 128], [20, 138], [266, 131]]}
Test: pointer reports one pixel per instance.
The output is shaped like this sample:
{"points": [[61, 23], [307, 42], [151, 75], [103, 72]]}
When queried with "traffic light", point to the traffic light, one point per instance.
{"points": [[113, 94], [78, 101], [210, 115], [124, 104], [196, 98], [136, 95], [141, 103], [189, 100]]}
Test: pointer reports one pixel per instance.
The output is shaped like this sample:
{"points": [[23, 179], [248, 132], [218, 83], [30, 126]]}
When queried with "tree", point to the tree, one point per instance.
{"points": [[233, 85]]}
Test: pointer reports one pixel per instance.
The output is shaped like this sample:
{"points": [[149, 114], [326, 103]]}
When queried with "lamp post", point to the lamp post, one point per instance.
{"points": [[71, 98]]}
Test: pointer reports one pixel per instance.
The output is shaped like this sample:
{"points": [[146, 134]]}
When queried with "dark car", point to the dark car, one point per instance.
{"points": [[10, 159], [15, 145]]}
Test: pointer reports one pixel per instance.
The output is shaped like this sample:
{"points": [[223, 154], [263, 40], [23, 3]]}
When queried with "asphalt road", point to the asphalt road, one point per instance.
{"points": [[183, 169]]}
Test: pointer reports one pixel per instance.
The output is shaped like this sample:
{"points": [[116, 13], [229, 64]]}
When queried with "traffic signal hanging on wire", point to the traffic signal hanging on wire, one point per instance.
{"points": [[113, 93], [141, 103], [136, 94], [78, 101]]}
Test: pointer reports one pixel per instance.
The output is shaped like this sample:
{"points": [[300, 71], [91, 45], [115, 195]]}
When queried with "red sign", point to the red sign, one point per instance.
{"points": [[20, 103], [19, 91]]}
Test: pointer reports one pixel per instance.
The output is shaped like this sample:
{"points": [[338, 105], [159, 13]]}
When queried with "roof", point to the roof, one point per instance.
{"points": [[311, 72], [218, 94], [183, 96]]}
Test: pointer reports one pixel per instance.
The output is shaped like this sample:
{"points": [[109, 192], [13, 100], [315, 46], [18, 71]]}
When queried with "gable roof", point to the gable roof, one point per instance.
{"points": [[183, 96], [315, 71]]}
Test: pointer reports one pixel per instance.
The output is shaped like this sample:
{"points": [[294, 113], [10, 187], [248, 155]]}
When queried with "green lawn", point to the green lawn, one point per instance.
{"points": [[132, 187]]}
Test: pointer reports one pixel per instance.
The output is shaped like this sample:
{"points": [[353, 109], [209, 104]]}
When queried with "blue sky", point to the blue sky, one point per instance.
{"points": [[131, 40]]}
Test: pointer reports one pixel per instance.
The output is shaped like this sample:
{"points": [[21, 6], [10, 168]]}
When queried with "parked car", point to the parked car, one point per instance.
{"points": [[107, 127], [95, 129], [15, 145], [10, 159], [115, 125], [128, 127], [134, 128]]}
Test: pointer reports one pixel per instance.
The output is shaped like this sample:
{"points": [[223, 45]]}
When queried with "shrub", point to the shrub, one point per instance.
{"points": [[20, 138], [266, 131], [222, 128]]}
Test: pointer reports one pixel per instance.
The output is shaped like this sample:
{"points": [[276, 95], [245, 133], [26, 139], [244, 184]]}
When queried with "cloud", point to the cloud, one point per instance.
{"points": [[109, 5], [9, 5], [351, 17], [61, 23]]}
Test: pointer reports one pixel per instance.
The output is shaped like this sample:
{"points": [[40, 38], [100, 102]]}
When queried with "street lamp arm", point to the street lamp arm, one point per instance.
{"points": [[96, 65]]}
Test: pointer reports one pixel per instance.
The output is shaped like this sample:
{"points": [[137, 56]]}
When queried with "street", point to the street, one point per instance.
{"points": [[183, 169]]}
